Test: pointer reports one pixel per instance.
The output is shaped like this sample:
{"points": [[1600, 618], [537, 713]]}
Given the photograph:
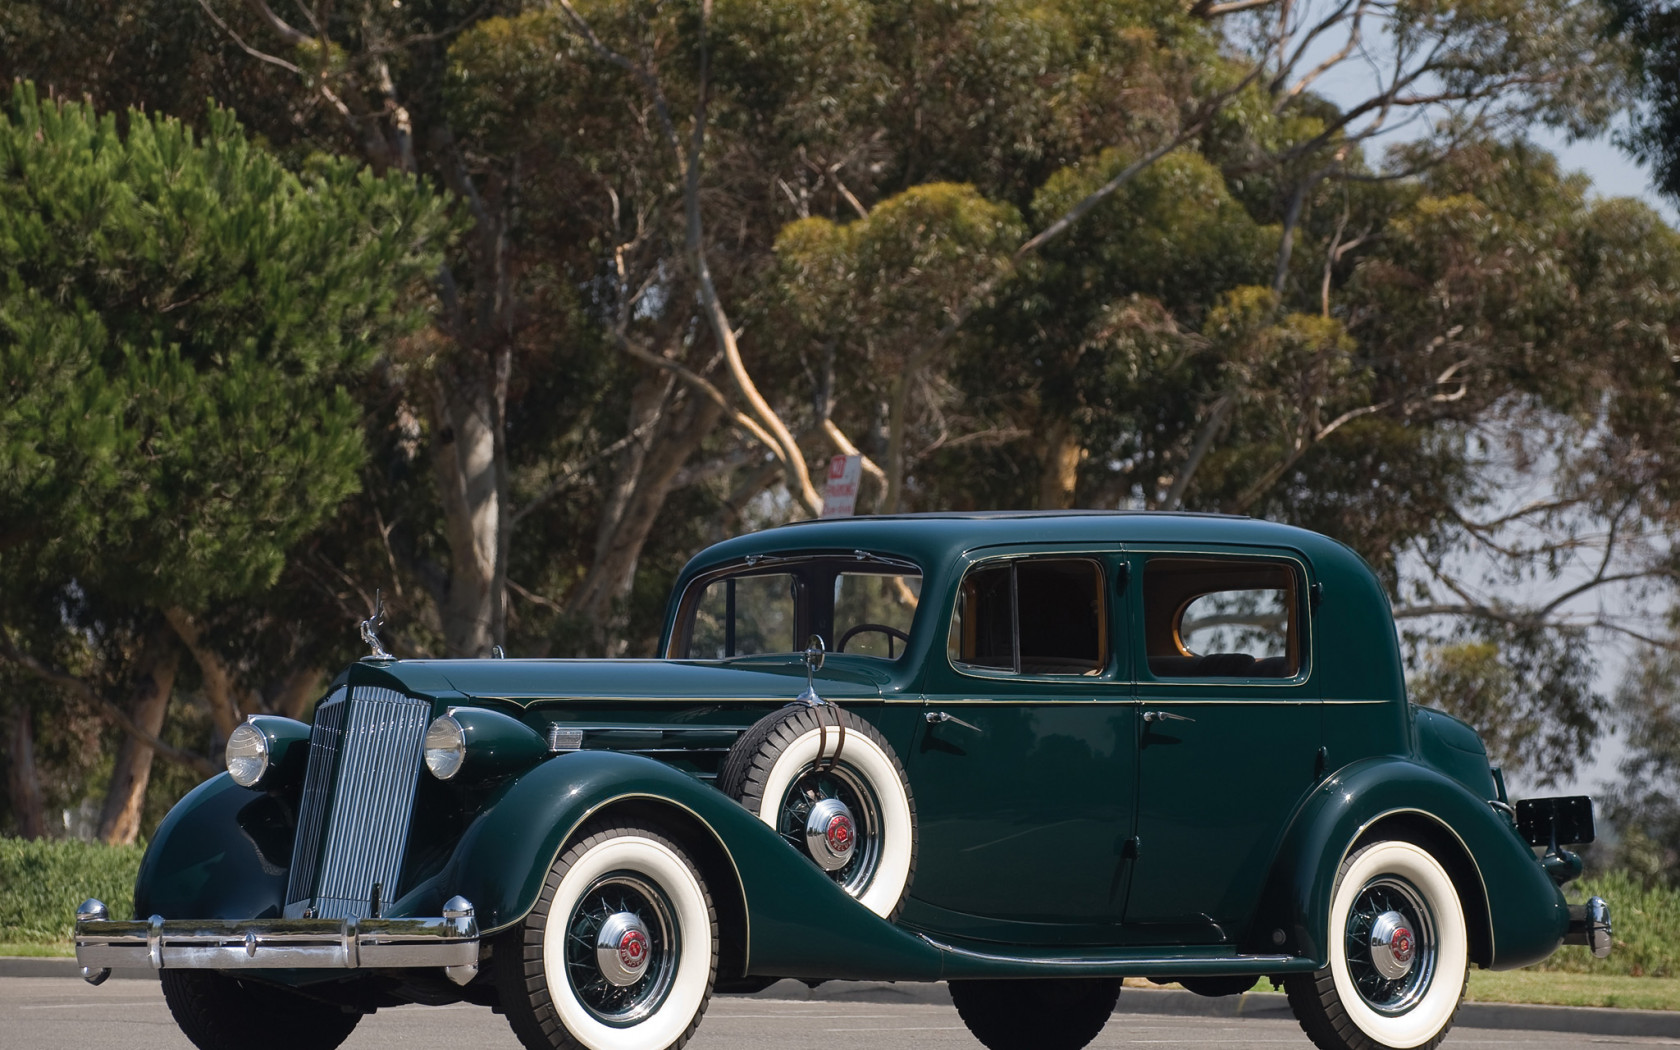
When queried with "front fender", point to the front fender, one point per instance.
{"points": [[1524, 913], [799, 923], [223, 852]]}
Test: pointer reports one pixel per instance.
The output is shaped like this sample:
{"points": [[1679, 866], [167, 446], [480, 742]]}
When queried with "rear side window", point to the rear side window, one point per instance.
{"points": [[1035, 616], [1222, 618]]}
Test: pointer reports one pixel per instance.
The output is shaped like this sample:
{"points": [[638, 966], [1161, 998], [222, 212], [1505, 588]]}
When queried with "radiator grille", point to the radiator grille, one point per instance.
{"points": [[364, 761]]}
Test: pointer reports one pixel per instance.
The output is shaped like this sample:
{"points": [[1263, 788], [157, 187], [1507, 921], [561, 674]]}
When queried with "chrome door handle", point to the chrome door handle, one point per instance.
{"points": [[937, 717], [1165, 716]]}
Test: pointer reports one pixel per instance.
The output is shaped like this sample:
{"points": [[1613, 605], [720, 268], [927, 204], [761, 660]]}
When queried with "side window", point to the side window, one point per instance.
{"points": [[1036, 616], [1221, 618], [745, 616]]}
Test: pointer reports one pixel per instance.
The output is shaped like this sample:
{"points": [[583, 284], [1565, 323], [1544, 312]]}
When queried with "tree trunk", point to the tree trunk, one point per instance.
{"points": [[22, 781], [599, 599], [119, 821], [1059, 455], [464, 460], [219, 686]]}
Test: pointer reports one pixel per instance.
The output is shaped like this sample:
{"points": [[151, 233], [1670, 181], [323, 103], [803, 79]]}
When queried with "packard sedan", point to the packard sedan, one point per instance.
{"points": [[1025, 754]]}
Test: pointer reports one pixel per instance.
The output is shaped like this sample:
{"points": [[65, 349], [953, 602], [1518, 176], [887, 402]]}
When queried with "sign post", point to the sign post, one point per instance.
{"points": [[840, 493]]}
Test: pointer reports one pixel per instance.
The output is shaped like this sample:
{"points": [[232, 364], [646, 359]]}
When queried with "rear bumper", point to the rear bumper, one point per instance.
{"points": [[449, 941], [1589, 924]]}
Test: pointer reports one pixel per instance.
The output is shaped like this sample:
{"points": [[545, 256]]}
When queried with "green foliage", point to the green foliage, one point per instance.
{"points": [[178, 321], [42, 882], [1653, 31], [1645, 805]]}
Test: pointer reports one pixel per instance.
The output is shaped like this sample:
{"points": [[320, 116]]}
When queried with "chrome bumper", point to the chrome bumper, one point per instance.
{"points": [[1589, 924], [449, 941]]}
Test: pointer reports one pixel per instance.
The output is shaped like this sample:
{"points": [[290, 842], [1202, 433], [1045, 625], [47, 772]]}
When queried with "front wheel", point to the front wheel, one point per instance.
{"points": [[221, 1012], [620, 951], [1054, 1013], [1399, 955]]}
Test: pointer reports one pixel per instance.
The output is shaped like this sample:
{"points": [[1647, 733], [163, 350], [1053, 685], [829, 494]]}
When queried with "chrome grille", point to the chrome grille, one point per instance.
{"points": [[364, 761]]}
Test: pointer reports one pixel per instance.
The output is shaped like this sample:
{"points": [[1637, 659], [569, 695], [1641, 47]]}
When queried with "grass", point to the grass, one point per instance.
{"points": [[37, 951], [1575, 989]]}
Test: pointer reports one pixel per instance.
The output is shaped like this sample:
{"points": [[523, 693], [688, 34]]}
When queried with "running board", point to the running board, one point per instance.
{"points": [[964, 962]]}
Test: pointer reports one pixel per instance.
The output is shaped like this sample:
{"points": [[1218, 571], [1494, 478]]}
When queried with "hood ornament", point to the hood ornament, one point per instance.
{"points": [[370, 628]]}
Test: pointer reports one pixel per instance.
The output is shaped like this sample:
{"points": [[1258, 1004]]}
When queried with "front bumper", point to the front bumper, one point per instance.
{"points": [[1589, 924], [449, 941]]}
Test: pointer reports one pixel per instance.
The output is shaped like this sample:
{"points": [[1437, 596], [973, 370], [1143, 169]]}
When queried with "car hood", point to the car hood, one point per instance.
{"points": [[524, 682]]}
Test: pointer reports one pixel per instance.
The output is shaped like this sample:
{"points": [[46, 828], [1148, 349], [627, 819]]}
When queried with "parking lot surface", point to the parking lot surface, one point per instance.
{"points": [[65, 1014]]}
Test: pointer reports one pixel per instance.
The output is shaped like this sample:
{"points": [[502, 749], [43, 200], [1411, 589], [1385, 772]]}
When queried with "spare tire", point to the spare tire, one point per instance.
{"points": [[831, 785]]}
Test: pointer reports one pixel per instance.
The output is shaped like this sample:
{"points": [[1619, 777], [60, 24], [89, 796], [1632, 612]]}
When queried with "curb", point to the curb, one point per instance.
{"points": [[1586, 1020]]}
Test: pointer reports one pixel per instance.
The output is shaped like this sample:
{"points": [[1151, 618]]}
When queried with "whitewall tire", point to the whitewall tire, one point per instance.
{"points": [[620, 952], [784, 767], [1399, 954]]}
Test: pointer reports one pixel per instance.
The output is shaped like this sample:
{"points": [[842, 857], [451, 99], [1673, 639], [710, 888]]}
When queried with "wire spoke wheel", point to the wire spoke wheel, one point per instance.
{"points": [[622, 893], [1399, 954], [1381, 899], [841, 799], [844, 784], [620, 950]]}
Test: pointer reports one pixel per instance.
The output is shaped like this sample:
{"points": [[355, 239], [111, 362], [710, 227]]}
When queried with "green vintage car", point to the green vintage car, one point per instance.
{"points": [[1026, 754]]}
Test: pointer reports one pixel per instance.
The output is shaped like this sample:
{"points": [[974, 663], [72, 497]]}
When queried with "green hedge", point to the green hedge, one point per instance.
{"points": [[41, 882], [1645, 921]]}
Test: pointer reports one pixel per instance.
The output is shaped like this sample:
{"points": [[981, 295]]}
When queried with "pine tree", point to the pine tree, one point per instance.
{"points": [[180, 316]]}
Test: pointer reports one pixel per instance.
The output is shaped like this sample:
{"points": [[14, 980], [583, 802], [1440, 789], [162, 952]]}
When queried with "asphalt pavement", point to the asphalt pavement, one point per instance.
{"points": [[56, 1013]]}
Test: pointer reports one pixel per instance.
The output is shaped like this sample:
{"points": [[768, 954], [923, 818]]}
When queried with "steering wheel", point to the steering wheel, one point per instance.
{"points": [[881, 628]]}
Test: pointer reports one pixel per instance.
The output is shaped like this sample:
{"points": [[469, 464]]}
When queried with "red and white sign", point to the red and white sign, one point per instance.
{"points": [[840, 494]]}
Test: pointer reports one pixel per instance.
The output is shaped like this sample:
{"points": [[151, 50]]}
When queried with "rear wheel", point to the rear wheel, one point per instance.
{"points": [[620, 951], [1399, 955], [217, 1011], [1057, 1013]]}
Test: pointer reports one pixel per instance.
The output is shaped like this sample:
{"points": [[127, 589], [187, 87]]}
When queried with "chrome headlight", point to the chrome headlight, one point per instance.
{"points": [[247, 755], [446, 747]]}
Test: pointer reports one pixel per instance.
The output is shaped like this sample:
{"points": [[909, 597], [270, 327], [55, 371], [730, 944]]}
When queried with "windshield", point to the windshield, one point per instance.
{"points": [[857, 605]]}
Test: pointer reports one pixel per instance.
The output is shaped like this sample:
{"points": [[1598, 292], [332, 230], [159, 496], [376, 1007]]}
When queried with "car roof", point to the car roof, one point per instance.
{"points": [[933, 538]]}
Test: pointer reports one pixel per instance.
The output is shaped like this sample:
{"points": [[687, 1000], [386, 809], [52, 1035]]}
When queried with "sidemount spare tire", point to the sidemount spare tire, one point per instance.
{"points": [[831, 785]]}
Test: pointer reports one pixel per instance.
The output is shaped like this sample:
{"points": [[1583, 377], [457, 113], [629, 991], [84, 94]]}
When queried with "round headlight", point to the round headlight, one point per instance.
{"points": [[247, 755], [446, 747]]}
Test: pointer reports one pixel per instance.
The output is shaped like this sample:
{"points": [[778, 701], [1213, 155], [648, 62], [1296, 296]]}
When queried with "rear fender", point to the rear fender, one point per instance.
{"points": [[1517, 914], [797, 922]]}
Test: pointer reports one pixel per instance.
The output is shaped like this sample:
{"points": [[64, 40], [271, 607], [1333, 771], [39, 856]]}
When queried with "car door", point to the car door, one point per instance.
{"points": [[1228, 732], [1024, 768]]}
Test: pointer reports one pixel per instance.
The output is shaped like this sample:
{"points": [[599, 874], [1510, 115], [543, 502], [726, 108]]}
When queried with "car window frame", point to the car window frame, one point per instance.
{"points": [[876, 562], [1139, 556], [1107, 559]]}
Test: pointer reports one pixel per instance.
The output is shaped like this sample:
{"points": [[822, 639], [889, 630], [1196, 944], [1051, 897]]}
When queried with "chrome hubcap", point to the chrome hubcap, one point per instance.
{"points": [[830, 834], [1391, 946], [622, 949], [833, 816]]}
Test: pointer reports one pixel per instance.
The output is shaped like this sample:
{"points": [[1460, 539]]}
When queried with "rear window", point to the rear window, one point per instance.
{"points": [[1222, 618], [1033, 616]]}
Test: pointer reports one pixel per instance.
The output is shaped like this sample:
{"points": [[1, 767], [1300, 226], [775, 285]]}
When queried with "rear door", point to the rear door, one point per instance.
{"points": [[1024, 769], [1228, 732]]}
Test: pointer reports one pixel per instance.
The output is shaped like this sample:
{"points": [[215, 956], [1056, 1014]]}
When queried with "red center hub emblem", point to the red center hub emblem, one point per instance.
{"points": [[1401, 944], [840, 835], [633, 950]]}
